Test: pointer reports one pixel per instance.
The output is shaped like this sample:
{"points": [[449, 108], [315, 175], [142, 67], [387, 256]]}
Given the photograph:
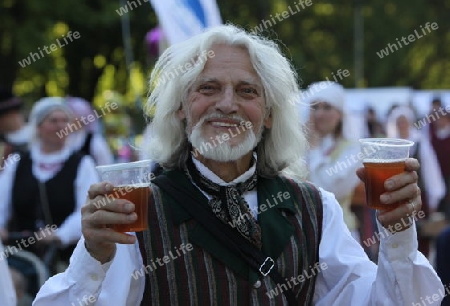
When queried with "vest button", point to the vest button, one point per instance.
{"points": [[257, 284]]}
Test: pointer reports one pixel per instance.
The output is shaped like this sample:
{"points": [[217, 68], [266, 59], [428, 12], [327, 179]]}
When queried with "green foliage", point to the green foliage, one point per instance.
{"points": [[319, 39]]}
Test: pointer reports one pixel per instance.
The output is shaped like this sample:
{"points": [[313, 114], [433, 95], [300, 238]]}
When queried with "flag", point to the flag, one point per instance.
{"points": [[182, 19]]}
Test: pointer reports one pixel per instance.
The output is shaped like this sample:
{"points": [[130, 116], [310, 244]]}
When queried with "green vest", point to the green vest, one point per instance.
{"points": [[186, 265]]}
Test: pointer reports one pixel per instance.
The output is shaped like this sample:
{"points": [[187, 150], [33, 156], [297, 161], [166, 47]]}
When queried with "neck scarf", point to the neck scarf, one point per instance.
{"points": [[47, 165], [228, 204]]}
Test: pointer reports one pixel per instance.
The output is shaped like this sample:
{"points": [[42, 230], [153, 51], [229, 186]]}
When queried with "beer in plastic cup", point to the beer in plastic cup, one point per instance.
{"points": [[383, 158], [131, 182]]}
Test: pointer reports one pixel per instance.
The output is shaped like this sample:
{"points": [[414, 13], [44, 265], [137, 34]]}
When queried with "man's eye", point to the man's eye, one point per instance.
{"points": [[206, 89], [249, 90]]}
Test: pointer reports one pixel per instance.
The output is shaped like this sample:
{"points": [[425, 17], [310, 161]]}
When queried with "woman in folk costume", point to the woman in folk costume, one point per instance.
{"points": [[400, 125], [46, 188], [332, 158]]}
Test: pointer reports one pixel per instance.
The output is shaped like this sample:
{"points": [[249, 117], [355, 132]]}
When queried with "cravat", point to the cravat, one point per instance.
{"points": [[228, 204]]}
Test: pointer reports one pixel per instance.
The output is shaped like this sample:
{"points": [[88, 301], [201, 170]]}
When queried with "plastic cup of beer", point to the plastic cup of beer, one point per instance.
{"points": [[131, 182], [383, 158]]}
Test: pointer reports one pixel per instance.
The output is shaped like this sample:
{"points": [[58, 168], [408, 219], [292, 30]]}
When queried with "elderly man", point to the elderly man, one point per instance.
{"points": [[226, 133]]}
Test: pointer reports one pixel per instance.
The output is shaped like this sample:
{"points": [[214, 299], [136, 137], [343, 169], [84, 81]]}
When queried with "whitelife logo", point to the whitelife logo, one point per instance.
{"points": [[411, 38], [53, 47], [83, 121], [265, 24]]}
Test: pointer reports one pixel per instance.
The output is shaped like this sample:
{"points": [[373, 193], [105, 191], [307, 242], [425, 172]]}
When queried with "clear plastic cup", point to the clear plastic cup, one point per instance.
{"points": [[131, 182], [382, 159]]}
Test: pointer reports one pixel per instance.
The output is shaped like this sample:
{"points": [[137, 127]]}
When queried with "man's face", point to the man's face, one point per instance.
{"points": [[226, 94]]}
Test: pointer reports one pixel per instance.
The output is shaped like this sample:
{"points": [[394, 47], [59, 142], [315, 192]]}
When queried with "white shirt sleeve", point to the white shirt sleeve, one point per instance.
{"points": [[101, 151], [6, 181], [70, 229], [7, 290], [431, 174], [86, 279], [403, 275]]}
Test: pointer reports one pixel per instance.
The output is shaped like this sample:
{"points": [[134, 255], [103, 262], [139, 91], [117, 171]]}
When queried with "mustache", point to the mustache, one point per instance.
{"points": [[221, 116]]}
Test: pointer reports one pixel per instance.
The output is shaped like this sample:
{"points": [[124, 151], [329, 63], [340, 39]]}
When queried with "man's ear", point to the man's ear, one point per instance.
{"points": [[268, 120], [181, 114]]}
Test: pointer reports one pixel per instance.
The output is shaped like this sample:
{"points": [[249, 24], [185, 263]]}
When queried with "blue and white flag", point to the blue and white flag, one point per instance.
{"points": [[182, 19]]}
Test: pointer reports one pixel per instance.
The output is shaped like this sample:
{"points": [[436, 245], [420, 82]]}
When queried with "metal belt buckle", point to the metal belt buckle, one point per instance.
{"points": [[270, 262]]}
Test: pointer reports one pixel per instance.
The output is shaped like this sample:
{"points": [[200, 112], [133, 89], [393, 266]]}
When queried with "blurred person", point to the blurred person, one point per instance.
{"points": [[86, 137], [7, 291], [434, 114], [400, 124], [329, 159], [247, 81], [47, 186], [374, 127], [442, 262], [14, 133], [440, 141]]}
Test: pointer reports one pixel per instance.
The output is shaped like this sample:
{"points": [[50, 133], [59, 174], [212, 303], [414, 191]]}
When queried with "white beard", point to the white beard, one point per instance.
{"points": [[221, 151]]}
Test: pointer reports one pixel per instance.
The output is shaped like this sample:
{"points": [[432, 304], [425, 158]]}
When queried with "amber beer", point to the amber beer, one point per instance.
{"points": [[138, 194], [377, 172]]}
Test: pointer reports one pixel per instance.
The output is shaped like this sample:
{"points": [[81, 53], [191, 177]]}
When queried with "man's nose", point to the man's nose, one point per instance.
{"points": [[227, 101]]}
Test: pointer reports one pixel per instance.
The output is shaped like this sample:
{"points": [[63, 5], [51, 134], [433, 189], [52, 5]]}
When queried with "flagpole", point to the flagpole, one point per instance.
{"points": [[129, 59]]}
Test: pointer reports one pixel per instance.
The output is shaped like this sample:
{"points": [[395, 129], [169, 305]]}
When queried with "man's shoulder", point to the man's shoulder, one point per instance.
{"points": [[305, 191], [302, 184]]}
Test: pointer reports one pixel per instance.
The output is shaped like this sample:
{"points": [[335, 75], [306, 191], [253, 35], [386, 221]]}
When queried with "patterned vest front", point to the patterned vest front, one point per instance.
{"points": [[185, 265]]}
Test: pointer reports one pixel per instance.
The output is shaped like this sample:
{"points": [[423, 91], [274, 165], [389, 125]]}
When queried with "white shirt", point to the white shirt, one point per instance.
{"points": [[336, 175], [7, 290], [70, 229], [403, 276]]}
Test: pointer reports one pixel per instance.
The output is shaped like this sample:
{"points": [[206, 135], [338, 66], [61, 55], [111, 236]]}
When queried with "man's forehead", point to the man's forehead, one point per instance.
{"points": [[248, 80]]}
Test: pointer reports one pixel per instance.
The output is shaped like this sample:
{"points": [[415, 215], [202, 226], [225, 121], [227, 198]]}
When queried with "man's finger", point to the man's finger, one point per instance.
{"points": [[108, 204], [400, 180], [400, 195], [99, 189], [103, 217], [412, 164]]}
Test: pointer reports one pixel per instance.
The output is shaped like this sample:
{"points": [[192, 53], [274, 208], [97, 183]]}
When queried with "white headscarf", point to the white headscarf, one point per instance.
{"points": [[41, 109], [329, 92], [391, 123]]}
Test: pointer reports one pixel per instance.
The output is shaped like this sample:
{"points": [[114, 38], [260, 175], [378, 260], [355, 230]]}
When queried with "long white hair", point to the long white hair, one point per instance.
{"points": [[282, 147]]}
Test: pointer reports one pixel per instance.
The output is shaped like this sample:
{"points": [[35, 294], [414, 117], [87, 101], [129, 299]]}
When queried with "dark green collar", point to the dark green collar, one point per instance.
{"points": [[274, 196]]}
